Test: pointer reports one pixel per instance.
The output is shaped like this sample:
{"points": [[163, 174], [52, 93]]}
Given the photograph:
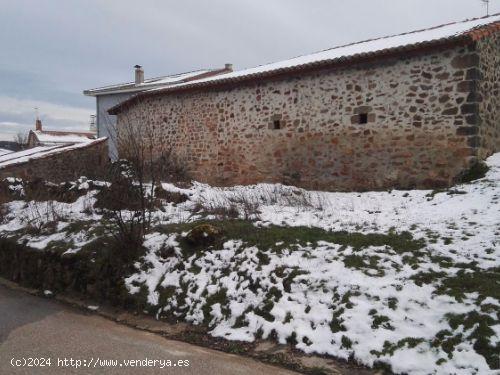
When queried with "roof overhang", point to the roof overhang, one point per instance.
{"points": [[339, 63], [133, 88], [99, 92]]}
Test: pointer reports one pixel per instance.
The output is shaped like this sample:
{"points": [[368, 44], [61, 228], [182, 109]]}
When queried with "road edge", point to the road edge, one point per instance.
{"points": [[265, 351]]}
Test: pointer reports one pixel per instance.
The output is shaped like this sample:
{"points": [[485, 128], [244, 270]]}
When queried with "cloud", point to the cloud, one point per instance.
{"points": [[50, 110], [18, 115], [51, 53], [9, 130]]}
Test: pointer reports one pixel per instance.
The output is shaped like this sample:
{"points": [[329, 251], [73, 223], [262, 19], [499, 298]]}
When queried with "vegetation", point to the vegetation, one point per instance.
{"points": [[275, 238], [474, 172]]}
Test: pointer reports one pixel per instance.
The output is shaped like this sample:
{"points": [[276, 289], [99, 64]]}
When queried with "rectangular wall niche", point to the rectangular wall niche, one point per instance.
{"points": [[276, 122], [363, 115]]}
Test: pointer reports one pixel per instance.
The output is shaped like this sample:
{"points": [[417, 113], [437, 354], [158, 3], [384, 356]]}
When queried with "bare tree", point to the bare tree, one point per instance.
{"points": [[142, 164], [135, 179], [21, 140], [135, 140]]}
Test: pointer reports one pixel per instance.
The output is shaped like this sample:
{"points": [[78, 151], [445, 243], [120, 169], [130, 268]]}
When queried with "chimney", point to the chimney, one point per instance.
{"points": [[139, 74], [38, 124], [229, 67]]}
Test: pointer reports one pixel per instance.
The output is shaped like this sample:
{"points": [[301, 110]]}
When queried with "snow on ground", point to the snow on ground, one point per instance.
{"points": [[377, 310], [422, 302]]}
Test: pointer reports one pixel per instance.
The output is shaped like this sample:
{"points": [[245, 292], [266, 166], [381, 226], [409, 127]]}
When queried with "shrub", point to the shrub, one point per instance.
{"points": [[476, 171]]}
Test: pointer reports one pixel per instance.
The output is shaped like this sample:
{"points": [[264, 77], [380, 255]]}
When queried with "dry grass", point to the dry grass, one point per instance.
{"points": [[232, 204]]}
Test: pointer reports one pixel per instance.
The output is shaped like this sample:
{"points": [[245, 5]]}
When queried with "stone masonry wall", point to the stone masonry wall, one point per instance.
{"points": [[488, 97], [68, 165], [305, 129]]}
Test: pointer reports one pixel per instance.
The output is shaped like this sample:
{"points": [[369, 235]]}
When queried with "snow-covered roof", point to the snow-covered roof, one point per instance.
{"points": [[41, 152], [58, 137], [4, 151], [156, 82], [344, 54]]}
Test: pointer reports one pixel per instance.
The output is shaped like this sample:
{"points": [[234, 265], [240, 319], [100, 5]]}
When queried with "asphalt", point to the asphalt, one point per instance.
{"points": [[34, 329]]}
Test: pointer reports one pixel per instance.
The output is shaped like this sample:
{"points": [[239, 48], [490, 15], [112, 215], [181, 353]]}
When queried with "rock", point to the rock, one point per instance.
{"points": [[450, 111], [467, 130], [465, 61], [170, 196], [204, 234]]}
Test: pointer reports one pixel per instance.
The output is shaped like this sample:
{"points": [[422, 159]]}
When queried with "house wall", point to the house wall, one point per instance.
{"points": [[488, 97], [32, 142], [420, 130], [106, 123], [90, 161]]}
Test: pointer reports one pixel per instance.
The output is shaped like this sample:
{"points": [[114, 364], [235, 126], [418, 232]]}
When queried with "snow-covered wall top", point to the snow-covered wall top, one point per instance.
{"points": [[4, 151], [41, 152]]}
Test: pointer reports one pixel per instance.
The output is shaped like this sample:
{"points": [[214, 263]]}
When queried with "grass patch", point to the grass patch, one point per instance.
{"points": [[389, 348], [481, 335], [218, 297], [485, 282], [276, 238], [392, 302], [380, 321], [364, 263], [429, 277], [336, 324], [265, 310], [288, 280], [346, 342]]}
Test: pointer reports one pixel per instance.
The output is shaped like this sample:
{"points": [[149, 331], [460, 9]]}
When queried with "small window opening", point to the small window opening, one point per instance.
{"points": [[276, 124], [363, 118]]}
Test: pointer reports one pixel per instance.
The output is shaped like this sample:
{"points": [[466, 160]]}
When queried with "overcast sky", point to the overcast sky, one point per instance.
{"points": [[51, 50]]}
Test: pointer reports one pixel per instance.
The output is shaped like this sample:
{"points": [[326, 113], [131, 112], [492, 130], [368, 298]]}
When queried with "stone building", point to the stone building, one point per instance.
{"points": [[411, 110]]}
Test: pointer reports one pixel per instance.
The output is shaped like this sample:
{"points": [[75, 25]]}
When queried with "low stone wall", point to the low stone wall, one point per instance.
{"points": [[70, 163]]}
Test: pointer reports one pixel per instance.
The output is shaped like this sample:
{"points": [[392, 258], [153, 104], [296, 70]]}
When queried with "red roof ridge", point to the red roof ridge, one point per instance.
{"points": [[395, 35]]}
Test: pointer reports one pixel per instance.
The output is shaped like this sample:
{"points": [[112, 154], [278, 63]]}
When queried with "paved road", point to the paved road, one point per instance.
{"points": [[38, 328]]}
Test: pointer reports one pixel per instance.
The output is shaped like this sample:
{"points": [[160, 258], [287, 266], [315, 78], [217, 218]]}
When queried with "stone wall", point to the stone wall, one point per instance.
{"points": [[488, 97], [407, 121], [90, 161]]}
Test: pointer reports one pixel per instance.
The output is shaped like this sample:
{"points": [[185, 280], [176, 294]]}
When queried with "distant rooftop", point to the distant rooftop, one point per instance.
{"points": [[157, 82], [55, 137], [468, 30], [61, 137]]}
